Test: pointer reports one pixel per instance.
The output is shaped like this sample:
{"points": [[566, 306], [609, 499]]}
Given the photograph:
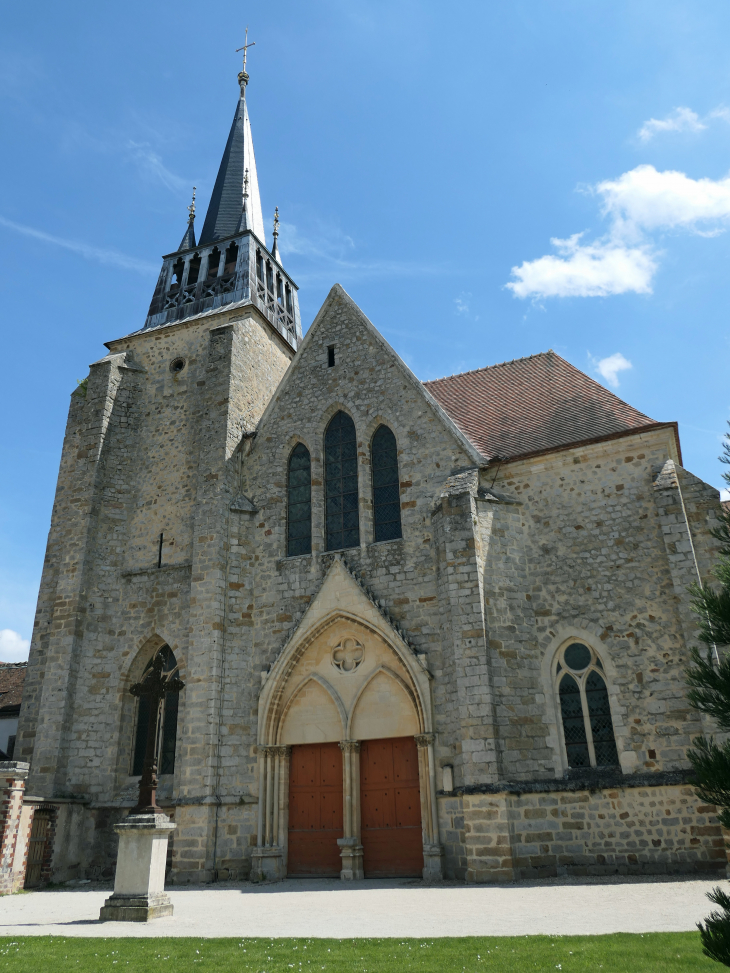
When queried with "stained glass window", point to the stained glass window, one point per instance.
{"points": [[386, 486], [599, 713], [168, 736], [574, 727], [299, 503], [585, 708], [340, 476]]}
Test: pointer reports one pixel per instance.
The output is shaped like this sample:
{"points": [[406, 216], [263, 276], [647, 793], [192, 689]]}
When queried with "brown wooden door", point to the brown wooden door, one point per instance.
{"points": [[390, 801], [37, 845], [315, 810]]}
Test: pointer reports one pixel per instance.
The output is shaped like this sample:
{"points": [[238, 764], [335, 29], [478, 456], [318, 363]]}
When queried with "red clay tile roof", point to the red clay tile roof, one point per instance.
{"points": [[532, 405], [12, 677]]}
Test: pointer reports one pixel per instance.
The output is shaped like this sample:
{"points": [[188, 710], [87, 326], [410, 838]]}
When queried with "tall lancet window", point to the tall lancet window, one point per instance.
{"points": [[585, 708], [340, 477], [299, 502], [167, 732], [386, 486]]}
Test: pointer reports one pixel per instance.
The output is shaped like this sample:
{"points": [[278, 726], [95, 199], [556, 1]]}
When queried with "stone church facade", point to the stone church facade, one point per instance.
{"points": [[425, 629]]}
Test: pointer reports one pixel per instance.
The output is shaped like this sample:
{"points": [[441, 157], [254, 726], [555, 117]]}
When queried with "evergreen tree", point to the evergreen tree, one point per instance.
{"points": [[709, 692]]}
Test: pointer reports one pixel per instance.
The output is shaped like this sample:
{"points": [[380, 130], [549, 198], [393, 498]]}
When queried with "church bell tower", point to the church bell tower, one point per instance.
{"points": [[231, 263]]}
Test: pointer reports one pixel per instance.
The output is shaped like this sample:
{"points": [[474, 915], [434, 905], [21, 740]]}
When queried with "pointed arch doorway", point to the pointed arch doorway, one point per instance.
{"points": [[346, 775]]}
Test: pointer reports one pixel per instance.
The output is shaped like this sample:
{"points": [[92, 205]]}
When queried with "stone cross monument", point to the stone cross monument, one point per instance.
{"points": [[139, 883]]}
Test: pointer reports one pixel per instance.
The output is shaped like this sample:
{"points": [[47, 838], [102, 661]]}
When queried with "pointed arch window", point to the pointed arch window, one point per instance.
{"points": [[585, 708], [299, 502], [167, 731], [386, 485], [340, 477]]}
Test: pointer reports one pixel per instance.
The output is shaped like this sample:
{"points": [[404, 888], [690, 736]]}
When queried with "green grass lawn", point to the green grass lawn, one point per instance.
{"points": [[619, 953]]}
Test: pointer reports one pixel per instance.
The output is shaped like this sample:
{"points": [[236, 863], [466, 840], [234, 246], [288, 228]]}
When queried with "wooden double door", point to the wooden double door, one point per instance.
{"points": [[389, 802]]}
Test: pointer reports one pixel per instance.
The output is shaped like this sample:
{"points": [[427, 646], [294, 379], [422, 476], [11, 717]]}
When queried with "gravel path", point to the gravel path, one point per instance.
{"points": [[321, 908]]}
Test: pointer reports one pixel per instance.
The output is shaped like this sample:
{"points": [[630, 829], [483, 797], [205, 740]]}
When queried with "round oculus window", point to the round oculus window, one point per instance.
{"points": [[177, 365], [577, 656]]}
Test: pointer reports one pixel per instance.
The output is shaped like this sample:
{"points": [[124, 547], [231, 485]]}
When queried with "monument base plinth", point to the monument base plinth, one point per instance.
{"points": [[139, 882], [136, 908]]}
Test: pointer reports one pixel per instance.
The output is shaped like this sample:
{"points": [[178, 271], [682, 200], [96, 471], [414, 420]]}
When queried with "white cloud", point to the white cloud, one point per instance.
{"points": [[462, 304], [638, 203], [645, 199], [725, 495], [13, 648], [680, 120], [111, 257], [608, 368], [585, 270]]}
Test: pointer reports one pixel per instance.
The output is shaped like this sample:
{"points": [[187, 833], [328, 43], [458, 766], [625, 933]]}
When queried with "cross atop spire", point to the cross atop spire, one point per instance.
{"points": [[191, 207], [245, 48], [275, 247]]}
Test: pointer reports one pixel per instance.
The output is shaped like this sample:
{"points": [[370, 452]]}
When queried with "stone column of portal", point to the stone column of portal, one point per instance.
{"points": [[139, 884], [350, 843], [268, 856], [432, 850]]}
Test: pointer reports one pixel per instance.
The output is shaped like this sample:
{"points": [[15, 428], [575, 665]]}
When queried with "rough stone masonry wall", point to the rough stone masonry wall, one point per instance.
{"points": [[146, 451], [585, 556], [622, 830]]}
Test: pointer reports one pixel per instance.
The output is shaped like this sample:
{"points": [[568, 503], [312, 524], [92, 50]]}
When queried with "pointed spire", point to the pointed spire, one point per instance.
{"points": [[225, 210], [275, 248], [188, 240]]}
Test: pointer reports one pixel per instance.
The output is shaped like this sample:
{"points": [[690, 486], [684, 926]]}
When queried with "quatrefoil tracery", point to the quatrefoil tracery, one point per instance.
{"points": [[347, 654]]}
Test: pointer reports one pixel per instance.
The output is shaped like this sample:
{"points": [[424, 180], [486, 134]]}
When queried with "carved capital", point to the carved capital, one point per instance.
{"points": [[424, 739], [350, 746], [282, 751]]}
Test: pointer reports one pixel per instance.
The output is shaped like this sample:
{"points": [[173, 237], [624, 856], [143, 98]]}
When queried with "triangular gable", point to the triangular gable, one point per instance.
{"points": [[338, 293], [341, 593]]}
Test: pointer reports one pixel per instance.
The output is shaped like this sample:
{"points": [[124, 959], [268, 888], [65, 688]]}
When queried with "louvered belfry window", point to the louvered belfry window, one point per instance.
{"points": [[585, 708], [340, 476], [168, 735], [386, 486], [299, 502]]}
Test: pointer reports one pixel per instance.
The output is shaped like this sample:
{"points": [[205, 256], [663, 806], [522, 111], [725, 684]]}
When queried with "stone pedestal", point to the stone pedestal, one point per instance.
{"points": [[139, 884], [433, 863], [351, 855], [267, 864]]}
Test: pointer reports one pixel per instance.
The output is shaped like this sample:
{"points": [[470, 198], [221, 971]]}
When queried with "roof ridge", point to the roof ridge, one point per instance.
{"points": [[13, 665], [485, 368]]}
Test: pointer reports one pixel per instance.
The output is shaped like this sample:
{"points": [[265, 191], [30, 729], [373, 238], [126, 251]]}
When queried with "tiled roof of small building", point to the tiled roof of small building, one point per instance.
{"points": [[532, 405], [12, 677]]}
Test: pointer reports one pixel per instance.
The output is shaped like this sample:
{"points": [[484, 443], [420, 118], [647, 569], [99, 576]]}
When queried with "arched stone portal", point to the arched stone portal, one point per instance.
{"points": [[346, 677]]}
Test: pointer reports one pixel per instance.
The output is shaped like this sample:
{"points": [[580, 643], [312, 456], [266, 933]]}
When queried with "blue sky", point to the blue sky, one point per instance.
{"points": [[487, 180]]}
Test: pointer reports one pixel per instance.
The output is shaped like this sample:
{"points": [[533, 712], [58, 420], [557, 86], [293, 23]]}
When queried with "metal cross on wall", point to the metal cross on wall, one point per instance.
{"points": [[155, 684]]}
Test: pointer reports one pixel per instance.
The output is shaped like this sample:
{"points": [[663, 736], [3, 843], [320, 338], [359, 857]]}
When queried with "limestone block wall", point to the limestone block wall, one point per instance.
{"points": [[622, 830]]}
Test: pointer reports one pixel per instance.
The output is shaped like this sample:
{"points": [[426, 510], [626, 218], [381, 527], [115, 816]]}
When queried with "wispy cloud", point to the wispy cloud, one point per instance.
{"points": [[325, 253], [608, 368], [639, 203], [13, 647], [150, 163], [462, 303], [112, 258], [681, 120]]}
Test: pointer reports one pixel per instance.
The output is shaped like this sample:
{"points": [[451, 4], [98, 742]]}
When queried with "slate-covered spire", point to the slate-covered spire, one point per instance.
{"points": [[225, 210], [188, 241]]}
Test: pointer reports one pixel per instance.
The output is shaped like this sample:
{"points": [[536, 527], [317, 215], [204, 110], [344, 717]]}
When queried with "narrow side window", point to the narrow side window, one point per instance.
{"points": [[585, 708], [167, 738], [340, 477], [386, 485], [299, 502]]}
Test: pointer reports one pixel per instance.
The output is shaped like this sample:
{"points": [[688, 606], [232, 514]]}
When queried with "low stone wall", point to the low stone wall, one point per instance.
{"points": [[498, 836]]}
